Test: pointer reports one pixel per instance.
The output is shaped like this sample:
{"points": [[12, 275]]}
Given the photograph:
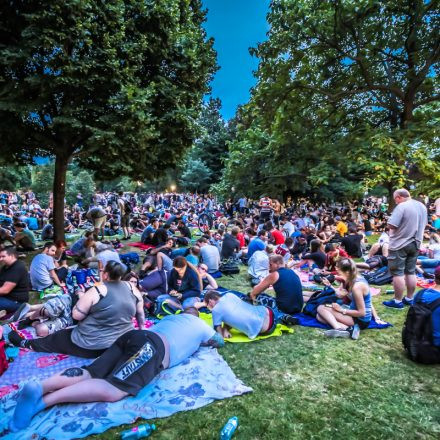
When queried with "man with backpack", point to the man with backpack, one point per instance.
{"points": [[407, 225], [421, 331], [125, 209]]}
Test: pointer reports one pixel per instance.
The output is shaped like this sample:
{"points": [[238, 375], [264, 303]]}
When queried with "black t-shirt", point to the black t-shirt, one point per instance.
{"points": [[317, 257], [18, 274], [230, 245], [185, 231], [352, 244]]}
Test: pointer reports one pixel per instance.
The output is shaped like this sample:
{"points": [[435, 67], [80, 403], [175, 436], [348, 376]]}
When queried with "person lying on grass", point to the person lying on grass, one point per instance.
{"points": [[348, 322], [126, 367], [230, 311]]}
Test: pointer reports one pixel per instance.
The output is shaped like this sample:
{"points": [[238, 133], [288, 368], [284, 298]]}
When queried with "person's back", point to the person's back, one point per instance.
{"points": [[230, 245], [247, 318], [259, 265], [108, 319], [40, 269], [352, 244], [184, 334], [288, 291], [409, 219], [255, 245], [211, 257]]}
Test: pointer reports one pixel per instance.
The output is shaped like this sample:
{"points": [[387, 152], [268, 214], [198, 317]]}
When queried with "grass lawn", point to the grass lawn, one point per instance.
{"points": [[307, 387]]}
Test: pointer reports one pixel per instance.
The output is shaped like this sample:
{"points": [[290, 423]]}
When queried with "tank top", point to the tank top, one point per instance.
{"points": [[288, 291], [108, 319], [367, 300]]}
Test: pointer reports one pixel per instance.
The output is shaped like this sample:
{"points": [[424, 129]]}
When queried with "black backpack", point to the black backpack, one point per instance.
{"points": [[325, 296], [127, 207], [417, 332], [229, 267], [379, 277]]}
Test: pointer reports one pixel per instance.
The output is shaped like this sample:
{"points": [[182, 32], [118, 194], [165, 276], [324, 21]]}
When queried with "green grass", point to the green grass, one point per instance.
{"points": [[307, 387]]}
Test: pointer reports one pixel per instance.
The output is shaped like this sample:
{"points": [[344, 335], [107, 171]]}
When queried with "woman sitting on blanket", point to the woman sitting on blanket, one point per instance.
{"points": [[347, 322], [208, 280], [104, 313]]}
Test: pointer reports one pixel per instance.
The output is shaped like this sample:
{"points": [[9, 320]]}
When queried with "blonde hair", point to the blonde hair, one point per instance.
{"points": [[348, 266]]}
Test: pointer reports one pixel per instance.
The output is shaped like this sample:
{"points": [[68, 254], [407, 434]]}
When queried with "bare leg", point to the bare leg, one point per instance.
{"points": [[399, 287], [411, 283], [66, 378], [335, 319], [363, 266], [89, 390], [374, 248]]}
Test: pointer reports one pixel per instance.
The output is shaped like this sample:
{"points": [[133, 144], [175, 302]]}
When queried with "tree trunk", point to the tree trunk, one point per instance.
{"points": [[391, 202], [59, 193]]}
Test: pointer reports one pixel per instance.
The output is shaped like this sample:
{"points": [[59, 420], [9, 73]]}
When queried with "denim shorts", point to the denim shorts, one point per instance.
{"points": [[403, 261]]}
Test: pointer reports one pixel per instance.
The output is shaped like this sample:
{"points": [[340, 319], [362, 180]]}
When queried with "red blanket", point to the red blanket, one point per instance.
{"points": [[140, 245]]}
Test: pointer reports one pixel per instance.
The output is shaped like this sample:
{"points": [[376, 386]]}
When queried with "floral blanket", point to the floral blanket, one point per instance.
{"points": [[200, 380]]}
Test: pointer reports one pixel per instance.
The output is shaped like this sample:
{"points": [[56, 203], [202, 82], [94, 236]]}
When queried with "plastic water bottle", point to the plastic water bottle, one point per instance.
{"points": [[140, 431], [228, 430], [389, 291]]}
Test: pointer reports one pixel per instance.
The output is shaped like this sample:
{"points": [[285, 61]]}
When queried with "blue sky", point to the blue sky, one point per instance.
{"points": [[235, 25]]}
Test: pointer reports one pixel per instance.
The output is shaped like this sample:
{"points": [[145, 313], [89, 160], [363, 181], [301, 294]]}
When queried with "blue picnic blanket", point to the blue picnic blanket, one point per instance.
{"points": [[198, 381], [306, 320]]}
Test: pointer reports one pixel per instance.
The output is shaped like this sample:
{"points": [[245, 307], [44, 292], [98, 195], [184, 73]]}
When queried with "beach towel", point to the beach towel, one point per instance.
{"points": [[238, 337], [140, 245], [309, 321], [198, 381]]}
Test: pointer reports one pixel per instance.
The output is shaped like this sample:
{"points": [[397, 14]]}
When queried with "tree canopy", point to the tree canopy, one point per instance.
{"points": [[345, 90], [115, 85]]}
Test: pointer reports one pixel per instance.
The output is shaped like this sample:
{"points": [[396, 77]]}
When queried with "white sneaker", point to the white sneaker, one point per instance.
{"points": [[337, 333]]}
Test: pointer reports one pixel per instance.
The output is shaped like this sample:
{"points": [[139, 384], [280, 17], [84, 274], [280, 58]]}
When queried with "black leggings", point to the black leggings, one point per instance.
{"points": [[61, 342]]}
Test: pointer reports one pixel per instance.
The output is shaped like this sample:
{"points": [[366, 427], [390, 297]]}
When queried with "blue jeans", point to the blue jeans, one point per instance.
{"points": [[9, 304], [270, 302], [188, 302]]}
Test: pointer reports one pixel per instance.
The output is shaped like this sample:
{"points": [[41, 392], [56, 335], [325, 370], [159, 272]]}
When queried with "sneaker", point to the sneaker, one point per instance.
{"points": [[407, 302], [393, 304], [20, 312], [289, 320], [337, 333], [16, 340], [354, 331]]}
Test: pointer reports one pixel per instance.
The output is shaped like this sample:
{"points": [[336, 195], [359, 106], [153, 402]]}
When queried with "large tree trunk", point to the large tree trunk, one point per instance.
{"points": [[59, 193]]}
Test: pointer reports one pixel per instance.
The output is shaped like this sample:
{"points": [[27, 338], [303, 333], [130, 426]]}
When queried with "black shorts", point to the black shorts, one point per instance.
{"points": [[362, 324], [131, 362]]}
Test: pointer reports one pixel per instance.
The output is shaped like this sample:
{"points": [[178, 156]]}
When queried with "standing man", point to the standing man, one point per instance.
{"points": [[407, 224], [125, 209], [98, 217]]}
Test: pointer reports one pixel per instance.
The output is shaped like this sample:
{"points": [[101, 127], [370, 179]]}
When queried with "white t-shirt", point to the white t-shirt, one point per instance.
{"points": [[238, 314]]}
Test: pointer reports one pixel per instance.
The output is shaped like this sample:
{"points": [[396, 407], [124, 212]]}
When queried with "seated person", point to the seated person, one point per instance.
{"points": [[300, 247], [24, 238], [333, 254], [185, 233], [5, 235], [82, 246], [149, 231], [348, 322], [209, 255], [14, 281], [104, 313], [184, 283], [230, 245], [60, 259], [257, 244], [259, 265], [230, 311], [47, 232], [104, 253], [154, 283], [382, 245], [287, 287], [209, 283], [284, 249], [161, 235], [352, 243], [126, 367], [42, 270], [47, 318], [316, 257], [193, 255]]}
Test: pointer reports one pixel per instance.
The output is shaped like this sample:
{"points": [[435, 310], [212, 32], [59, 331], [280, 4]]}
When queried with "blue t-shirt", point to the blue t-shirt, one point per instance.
{"points": [[255, 245], [429, 296], [147, 232], [39, 271], [184, 334], [32, 223], [238, 314]]}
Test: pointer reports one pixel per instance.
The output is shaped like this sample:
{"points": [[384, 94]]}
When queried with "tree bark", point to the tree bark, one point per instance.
{"points": [[59, 193]]}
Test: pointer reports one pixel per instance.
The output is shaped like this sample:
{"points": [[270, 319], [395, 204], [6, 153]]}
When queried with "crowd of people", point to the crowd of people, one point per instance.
{"points": [[278, 243]]}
